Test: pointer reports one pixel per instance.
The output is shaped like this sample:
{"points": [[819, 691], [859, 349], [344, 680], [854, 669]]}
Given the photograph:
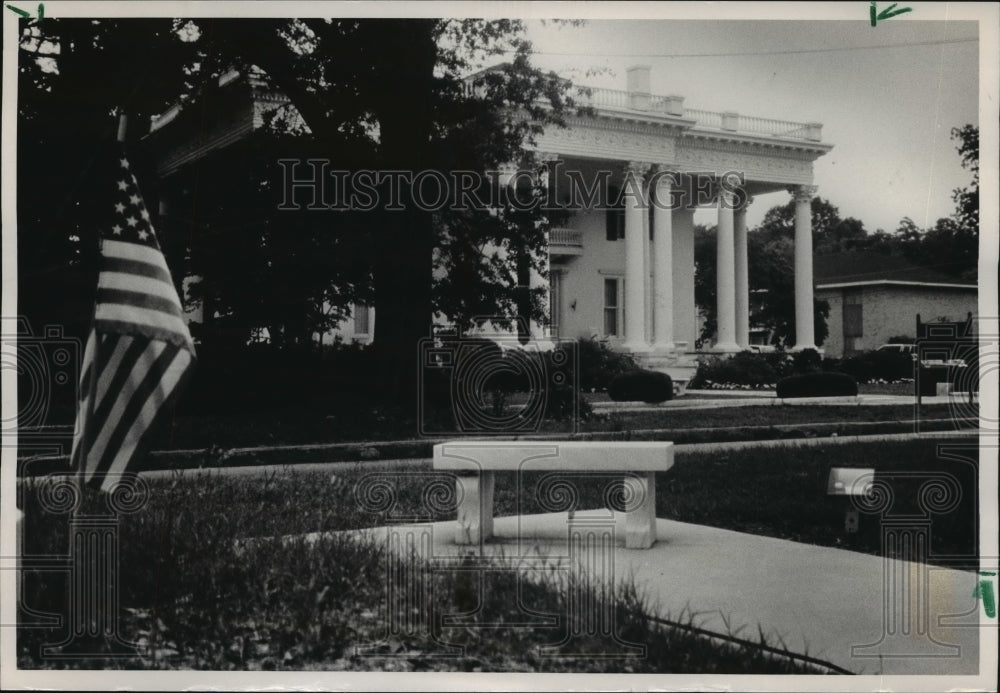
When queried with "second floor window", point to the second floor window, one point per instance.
{"points": [[612, 307]]}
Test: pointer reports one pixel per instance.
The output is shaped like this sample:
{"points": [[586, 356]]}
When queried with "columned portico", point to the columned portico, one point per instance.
{"points": [[635, 257], [663, 276], [742, 275], [725, 272], [804, 320]]}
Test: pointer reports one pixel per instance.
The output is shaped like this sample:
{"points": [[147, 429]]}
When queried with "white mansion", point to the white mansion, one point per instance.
{"points": [[627, 275]]}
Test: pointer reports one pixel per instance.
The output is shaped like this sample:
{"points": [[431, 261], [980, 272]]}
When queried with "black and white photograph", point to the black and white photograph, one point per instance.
{"points": [[499, 346]]}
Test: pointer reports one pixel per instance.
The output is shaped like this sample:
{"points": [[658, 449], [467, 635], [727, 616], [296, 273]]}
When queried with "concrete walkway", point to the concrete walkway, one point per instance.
{"points": [[860, 612], [717, 399]]}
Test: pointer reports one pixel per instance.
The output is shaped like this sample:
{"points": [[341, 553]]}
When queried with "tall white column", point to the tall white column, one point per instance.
{"points": [[663, 275], [742, 276], [725, 273], [804, 317], [635, 263]]}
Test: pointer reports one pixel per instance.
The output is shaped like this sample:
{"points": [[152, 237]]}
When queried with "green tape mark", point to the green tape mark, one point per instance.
{"points": [[989, 602], [887, 13], [19, 11]]}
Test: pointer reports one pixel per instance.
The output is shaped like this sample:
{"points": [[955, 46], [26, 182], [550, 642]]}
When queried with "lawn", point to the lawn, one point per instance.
{"points": [[199, 600], [359, 424]]}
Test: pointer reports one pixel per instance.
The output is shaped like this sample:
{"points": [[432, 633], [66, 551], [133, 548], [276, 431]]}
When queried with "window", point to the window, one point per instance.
{"points": [[612, 308], [614, 218], [555, 302], [853, 316], [360, 319]]}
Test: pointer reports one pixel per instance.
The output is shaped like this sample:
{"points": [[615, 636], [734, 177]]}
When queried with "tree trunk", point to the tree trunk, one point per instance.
{"points": [[403, 271]]}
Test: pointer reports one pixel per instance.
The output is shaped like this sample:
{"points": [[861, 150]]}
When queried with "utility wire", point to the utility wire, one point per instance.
{"points": [[751, 53]]}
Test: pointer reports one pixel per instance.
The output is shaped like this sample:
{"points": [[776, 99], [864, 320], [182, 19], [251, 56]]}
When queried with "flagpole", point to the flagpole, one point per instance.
{"points": [[86, 433]]}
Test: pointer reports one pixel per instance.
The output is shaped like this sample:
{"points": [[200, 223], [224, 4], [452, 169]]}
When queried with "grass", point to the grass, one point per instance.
{"points": [[347, 424], [197, 598], [196, 595]]}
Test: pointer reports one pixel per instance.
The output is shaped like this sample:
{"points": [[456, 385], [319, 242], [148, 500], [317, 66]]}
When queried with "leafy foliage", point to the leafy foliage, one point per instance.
{"points": [[599, 364], [746, 369], [770, 256]]}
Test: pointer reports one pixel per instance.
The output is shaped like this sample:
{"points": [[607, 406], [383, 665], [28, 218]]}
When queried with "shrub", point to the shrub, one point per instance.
{"points": [[817, 385], [599, 364], [746, 369], [873, 366], [890, 365], [807, 361], [641, 386]]}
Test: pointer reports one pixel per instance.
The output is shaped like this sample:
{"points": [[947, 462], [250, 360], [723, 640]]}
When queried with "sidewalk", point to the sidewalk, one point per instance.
{"points": [[832, 604], [696, 399]]}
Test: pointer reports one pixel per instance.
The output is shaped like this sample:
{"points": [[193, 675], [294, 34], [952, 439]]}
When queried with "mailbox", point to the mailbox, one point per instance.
{"points": [[850, 481]]}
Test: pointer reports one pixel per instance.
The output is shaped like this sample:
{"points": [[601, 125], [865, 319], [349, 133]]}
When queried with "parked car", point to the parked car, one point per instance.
{"points": [[910, 349]]}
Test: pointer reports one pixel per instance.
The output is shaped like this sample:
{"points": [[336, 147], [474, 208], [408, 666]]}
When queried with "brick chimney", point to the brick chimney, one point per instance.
{"points": [[638, 87]]}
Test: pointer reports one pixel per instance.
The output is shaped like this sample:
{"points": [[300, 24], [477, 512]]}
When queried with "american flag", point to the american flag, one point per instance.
{"points": [[139, 348]]}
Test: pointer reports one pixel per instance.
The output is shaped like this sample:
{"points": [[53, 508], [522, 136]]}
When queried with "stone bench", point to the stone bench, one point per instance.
{"points": [[477, 462]]}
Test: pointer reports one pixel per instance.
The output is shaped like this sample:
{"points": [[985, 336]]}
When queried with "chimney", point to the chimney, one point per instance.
{"points": [[638, 87]]}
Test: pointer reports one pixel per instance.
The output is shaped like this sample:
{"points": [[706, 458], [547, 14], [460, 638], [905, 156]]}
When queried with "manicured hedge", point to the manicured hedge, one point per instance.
{"points": [[641, 386], [599, 364], [817, 385], [744, 369]]}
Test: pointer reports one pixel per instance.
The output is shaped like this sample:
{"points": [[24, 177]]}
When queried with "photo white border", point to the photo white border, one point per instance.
{"points": [[988, 15]]}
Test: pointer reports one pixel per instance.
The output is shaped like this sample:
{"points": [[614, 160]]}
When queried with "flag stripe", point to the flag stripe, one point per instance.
{"points": [[134, 299], [139, 269], [87, 365], [133, 251], [107, 407], [86, 384], [137, 283], [146, 416], [159, 355], [115, 316], [113, 353]]}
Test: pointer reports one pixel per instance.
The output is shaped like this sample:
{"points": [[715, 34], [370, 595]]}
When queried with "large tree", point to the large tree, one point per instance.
{"points": [[404, 80], [397, 85]]}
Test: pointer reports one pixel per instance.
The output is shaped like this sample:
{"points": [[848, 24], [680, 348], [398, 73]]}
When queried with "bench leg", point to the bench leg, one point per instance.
{"points": [[640, 514], [475, 509]]}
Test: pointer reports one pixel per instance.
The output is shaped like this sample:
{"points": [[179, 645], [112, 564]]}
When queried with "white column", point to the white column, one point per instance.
{"points": [[663, 275], [725, 273], [804, 316], [742, 276], [635, 260]]}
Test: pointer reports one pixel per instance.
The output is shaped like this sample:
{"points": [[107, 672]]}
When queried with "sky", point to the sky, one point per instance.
{"points": [[888, 111]]}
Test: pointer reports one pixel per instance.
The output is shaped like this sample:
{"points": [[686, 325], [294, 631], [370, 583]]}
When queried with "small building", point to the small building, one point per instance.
{"points": [[875, 296]]}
